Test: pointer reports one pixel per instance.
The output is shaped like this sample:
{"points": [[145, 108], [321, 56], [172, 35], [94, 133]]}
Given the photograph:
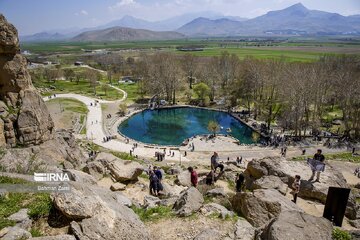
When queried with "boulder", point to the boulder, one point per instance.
{"points": [[270, 182], [216, 192], [262, 205], [58, 237], [79, 176], [14, 233], [190, 201], [151, 201], [183, 179], [214, 208], [118, 187], [2, 134], [95, 169], [173, 171], [22, 219], [29, 122], [208, 234], [244, 230], [170, 190], [122, 171], [299, 226], [98, 213]]}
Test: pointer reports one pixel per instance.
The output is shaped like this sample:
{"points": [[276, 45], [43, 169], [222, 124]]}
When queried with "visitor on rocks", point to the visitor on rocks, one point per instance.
{"points": [[296, 187], [193, 176], [154, 184], [240, 178], [317, 165], [215, 163], [159, 176], [210, 178]]}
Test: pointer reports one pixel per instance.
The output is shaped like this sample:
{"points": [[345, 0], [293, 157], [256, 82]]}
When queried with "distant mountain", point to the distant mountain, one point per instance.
{"points": [[125, 34], [43, 36], [294, 20]]}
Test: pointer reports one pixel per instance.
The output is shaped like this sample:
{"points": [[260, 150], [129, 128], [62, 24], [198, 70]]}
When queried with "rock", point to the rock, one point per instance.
{"points": [[270, 182], [22, 219], [173, 171], [122, 171], [95, 169], [9, 41], [214, 208], [262, 205], [208, 234], [14, 233], [58, 237], [151, 201], [168, 201], [79, 176], [2, 134], [190, 201], [299, 226], [244, 230], [171, 190], [118, 187], [216, 192], [98, 214], [355, 223], [183, 179]]}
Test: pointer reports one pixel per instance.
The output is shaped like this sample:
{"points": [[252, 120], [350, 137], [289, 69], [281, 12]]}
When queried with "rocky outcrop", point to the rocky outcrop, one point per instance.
{"points": [[98, 213], [262, 205], [190, 201], [244, 230], [183, 179], [22, 219], [270, 182], [299, 226], [26, 120], [14, 233], [121, 170], [217, 209]]}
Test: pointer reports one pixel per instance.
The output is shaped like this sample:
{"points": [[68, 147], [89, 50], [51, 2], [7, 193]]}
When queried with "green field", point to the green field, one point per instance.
{"points": [[69, 104]]}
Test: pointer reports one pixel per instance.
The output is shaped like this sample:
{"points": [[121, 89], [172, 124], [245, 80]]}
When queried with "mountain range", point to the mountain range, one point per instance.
{"points": [[294, 20]]}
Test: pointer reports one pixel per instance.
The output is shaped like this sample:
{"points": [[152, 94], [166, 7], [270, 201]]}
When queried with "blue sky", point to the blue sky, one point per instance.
{"points": [[31, 16]]}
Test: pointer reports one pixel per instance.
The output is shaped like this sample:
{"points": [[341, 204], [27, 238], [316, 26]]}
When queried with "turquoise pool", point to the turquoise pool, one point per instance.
{"points": [[172, 126]]}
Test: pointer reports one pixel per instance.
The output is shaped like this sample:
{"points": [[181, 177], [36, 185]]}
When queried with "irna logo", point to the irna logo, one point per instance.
{"points": [[51, 177]]}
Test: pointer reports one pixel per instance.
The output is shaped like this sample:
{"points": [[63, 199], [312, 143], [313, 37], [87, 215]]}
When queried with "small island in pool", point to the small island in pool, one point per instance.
{"points": [[172, 126]]}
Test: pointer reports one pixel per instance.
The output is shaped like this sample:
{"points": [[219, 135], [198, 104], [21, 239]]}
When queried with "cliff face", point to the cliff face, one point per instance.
{"points": [[24, 118]]}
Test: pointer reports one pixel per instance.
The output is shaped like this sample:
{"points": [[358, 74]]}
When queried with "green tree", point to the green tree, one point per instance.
{"points": [[213, 127], [202, 90], [122, 109]]}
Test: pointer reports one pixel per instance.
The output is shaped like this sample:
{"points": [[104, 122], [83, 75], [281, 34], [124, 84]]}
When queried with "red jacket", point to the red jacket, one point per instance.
{"points": [[194, 178]]}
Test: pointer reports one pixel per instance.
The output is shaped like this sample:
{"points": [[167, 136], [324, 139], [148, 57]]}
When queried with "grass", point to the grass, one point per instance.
{"points": [[123, 155], [339, 234], [35, 232], [83, 88], [71, 105], [153, 214], [38, 204], [345, 156], [131, 90]]}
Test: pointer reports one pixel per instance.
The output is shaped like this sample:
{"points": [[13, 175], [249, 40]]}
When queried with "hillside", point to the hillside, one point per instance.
{"points": [[294, 20], [125, 34]]}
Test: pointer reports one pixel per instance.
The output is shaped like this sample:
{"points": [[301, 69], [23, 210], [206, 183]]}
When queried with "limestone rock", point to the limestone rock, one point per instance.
{"points": [[151, 201], [262, 205], [118, 187], [29, 122], [79, 176], [216, 192], [183, 179], [270, 182], [123, 171], [9, 41], [22, 219], [214, 208], [95, 169], [58, 237], [208, 234], [190, 201], [99, 213], [14, 233], [244, 230], [299, 226], [2, 134], [171, 190]]}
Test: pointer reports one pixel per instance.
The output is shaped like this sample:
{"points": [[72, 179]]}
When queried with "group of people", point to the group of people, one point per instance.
{"points": [[107, 138], [155, 178]]}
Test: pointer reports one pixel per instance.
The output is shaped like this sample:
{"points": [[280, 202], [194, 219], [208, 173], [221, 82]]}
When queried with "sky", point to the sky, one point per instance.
{"points": [[32, 16]]}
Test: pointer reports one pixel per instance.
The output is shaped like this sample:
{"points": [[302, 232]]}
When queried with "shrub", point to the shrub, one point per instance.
{"points": [[339, 234]]}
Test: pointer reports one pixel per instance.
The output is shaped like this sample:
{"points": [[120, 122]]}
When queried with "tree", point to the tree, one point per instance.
{"points": [[94, 77], [105, 88], [202, 91], [213, 127], [122, 109], [189, 67], [69, 74]]}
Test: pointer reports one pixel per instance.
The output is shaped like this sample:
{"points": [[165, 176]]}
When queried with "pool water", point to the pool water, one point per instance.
{"points": [[174, 125]]}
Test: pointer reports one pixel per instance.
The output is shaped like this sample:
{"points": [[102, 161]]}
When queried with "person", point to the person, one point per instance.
{"points": [[215, 162], [193, 176], [210, 178], [154, 184], [296, 187], [159, 175], [304, 151], [239, 181], [318, 165]]}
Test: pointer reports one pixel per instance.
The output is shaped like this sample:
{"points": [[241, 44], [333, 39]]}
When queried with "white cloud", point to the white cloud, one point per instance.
{"points": [[82, 12], [123, 3]]}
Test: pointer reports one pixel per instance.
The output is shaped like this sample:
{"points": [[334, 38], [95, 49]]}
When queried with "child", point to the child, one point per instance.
{"points": [[296, 187]]}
